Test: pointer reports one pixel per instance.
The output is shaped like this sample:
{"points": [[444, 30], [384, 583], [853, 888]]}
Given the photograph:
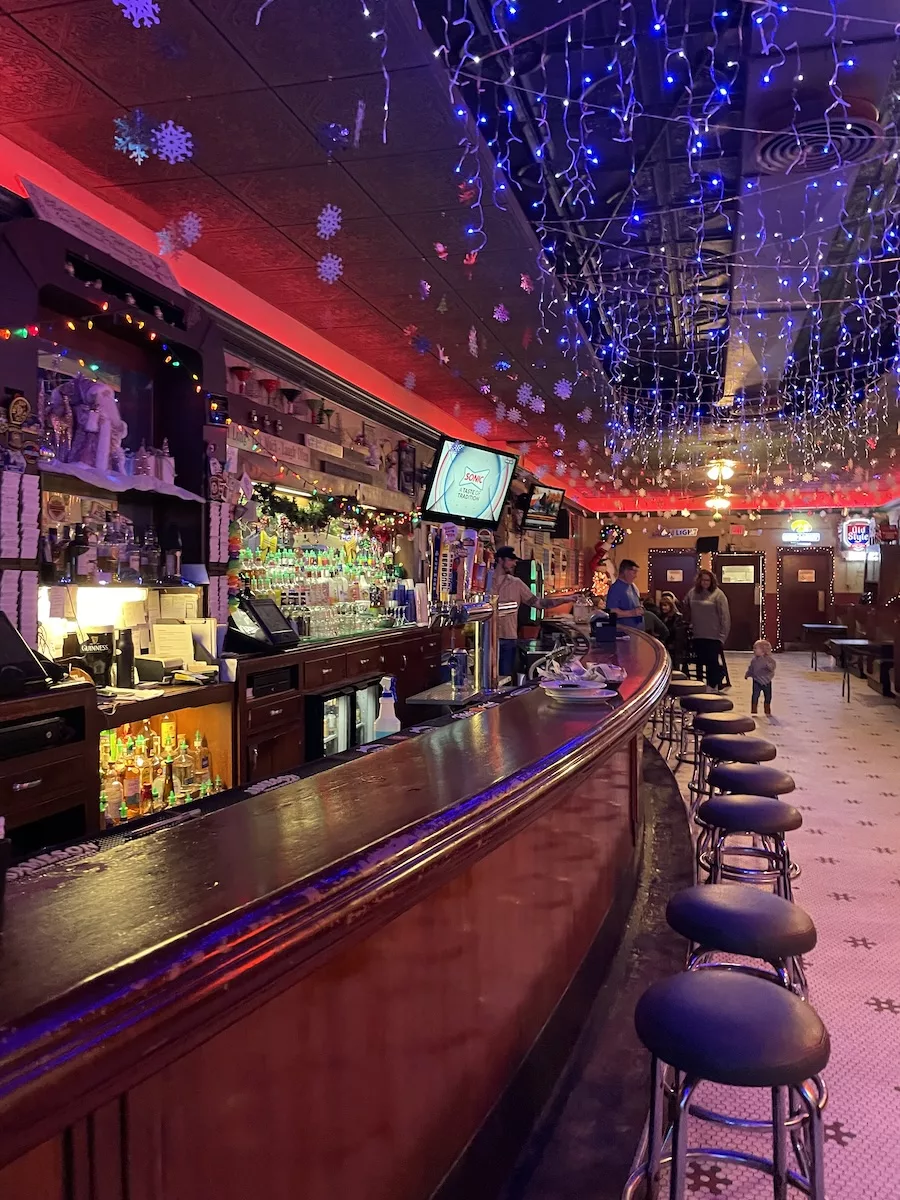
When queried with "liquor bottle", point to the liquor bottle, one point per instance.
{"points": [[219, 785], [125, 659], [150, 556], [183, 769], [171, 550], [145, 774], [104, 820], [167, 734], [202, 771], [151, 738], [82, 557], [131, 783], [169, 781], [112, 789], [158, 787]]}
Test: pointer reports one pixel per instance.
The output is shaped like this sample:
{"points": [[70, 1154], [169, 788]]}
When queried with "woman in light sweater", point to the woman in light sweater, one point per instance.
{"points": [[706, 609]]}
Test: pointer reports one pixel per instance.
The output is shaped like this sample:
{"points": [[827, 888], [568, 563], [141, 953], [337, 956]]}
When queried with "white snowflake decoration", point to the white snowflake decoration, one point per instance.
{"points": [[473, 342], [165, 239], [560, 468], [330, 268], [501, 314], [139, 12], [482, 427], [190, 227], [585, 415], [514, 415], [584, 446], [524, 393], [500, 410], [409, 380], [328, 222], [536, 404], [563, 389], [560, 429], [172, 143], [131, 136], [540, 471]]}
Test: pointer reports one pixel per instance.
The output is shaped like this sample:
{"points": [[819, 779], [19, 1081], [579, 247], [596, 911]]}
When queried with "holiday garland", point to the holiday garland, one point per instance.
{"points": [[321, 510]]}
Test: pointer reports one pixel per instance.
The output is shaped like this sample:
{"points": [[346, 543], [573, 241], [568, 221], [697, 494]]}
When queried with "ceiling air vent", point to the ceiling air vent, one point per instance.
{"points": [[813, 144]]}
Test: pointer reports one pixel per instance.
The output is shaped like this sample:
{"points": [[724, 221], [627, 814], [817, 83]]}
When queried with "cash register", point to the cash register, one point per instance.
{"points": [[258, 626]]}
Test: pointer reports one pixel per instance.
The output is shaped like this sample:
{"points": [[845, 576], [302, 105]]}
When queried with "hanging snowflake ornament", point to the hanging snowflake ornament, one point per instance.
{"points": [[514, 415], [473, 342], [560, 429], [560, 468], [190, 228], [525, 284], [536, 404], [524, 393], [500, 410], [330, 268], [165, 240], [585, 415], [482, 427], [583, 446], [562, 389], [328, 222], [139, 12], [501, 313], [540, 470], [409, 381], [172, 143], [131, 136]]}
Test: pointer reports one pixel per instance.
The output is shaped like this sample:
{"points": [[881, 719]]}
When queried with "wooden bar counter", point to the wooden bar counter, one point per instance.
{"points": [[325, 990]]}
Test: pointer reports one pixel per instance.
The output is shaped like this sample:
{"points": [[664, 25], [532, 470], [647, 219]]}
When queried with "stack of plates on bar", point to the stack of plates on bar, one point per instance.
{"points": [[576, 691]]}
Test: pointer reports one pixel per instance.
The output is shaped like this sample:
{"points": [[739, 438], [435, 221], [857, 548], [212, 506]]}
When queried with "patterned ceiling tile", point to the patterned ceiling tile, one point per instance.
{"points": [[240, 251], [296, 196], [420, 115], [245, 131], [409, 183], [34, 84], [94, 38], [394, 275], [296, 43], [371, 239], [339, 311], [165, 199]]}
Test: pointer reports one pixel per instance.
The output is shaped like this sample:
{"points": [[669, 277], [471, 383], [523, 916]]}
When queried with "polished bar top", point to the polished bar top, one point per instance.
{"points": [[91, 950]]}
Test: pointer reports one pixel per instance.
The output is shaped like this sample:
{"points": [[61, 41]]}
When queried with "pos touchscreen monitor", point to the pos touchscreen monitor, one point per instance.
{"points": [[468, 484]]}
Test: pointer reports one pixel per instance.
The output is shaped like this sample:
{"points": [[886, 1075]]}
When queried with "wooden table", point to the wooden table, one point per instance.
{"points": [[852, 651], [817, 636], [327, 988]]}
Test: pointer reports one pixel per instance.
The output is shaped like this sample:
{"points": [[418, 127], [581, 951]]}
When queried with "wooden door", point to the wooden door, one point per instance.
{"points": [[804, 591], [672, 571], [740, 577]]}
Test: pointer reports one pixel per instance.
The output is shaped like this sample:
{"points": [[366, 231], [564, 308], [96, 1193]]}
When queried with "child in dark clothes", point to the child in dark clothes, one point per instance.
{"points": [[761, 670]]}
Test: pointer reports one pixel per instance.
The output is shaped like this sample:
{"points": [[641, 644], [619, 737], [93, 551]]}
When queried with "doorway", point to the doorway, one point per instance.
{"points": [[671, 571], [805, 581], [741, 578]]}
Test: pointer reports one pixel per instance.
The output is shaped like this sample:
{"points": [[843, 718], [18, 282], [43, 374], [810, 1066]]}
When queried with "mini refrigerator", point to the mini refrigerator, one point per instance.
{"points": [[329, 726], [367, 700]]}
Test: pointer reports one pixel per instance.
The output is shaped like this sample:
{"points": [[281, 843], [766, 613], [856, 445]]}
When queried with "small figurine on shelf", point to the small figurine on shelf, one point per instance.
{"points": [[111, 429], [70, 267], [130, 300]]}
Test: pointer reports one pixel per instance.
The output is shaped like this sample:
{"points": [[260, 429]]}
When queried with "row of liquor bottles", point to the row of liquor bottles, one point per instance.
{"points": [[113, 552], [144, 770]]}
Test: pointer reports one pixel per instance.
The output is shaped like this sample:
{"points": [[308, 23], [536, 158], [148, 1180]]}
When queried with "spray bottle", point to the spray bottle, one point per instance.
{"points": [[387, 721]]}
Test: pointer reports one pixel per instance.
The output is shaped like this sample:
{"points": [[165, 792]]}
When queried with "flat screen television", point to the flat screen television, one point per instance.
{"points": [[543, 508], [468, 484]]}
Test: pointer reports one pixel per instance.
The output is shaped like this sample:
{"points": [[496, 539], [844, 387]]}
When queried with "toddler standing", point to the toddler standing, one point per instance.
{"points": [[761, 670]]}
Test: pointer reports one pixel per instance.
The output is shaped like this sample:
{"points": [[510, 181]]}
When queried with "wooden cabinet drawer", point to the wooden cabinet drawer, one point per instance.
{"points": [[430, 648], [365, 662], [323, 672], [277, 710], [31, 780]]}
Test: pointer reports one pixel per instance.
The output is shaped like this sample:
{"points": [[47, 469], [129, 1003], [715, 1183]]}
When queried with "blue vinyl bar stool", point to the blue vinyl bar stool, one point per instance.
{"points": [[740, 1031], [719, 748], [709, 723], [766, 820], [670, 731], [701, 703], [724, 918]]}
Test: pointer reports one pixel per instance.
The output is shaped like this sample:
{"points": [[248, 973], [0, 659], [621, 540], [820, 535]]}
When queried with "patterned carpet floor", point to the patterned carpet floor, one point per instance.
{"points": [[845, 760]]}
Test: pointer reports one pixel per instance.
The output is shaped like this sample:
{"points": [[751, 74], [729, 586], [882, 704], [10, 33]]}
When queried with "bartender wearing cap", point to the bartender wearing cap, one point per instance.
{"points": [[510, 589]]}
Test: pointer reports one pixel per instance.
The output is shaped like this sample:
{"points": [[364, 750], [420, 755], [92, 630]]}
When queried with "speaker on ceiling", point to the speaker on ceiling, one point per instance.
{"points": [[707, 545]]}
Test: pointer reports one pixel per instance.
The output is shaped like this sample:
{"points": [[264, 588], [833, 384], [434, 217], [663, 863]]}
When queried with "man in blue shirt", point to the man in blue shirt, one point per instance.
{"points": [[624, 599]]}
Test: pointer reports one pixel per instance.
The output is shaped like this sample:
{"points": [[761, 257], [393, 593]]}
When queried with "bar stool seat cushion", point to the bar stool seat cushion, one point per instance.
{"points": [[685, 687], [732, 1029], [723, 722], [706, 704], [749, 814], [741, 920], [753, 778], [678, 675], [732, 747]]}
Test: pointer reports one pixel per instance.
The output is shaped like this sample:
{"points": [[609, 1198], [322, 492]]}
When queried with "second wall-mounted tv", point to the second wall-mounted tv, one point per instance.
{"points": [[468, 484], [543, 507]]}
